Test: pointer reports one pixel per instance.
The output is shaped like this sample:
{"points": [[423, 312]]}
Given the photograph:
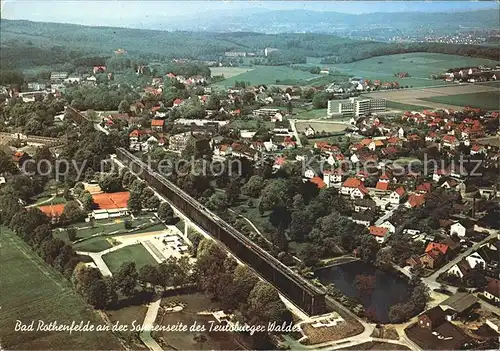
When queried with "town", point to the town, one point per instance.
{"points": [[342, 208]]}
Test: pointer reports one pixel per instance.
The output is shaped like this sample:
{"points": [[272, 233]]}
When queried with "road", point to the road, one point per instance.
{"points": [[386, 216], [295, 132], [43, 202], [149, 321], [431, 280]]}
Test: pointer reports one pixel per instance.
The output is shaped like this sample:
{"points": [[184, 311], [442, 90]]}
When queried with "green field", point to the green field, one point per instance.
{"points": [[420, 66], [228, 72], [310, 114], [136, 253], [31, 290], [97, 244], [488, 100], [250, 124], [269, 75]]}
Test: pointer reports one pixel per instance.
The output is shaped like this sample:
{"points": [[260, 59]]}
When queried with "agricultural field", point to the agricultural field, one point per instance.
{"points": [[419, 65], [392, 105], [420, 97], [32, 290], [228, 72], [136, 253], [269, 75], [319, 127], [489, 100]]}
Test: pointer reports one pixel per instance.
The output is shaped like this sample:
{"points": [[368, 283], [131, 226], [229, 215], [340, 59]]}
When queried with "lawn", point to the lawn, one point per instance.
{"points": [[32, 291], [97, 244], [488, 100], [269, 75], [404, 107], [43, 200], [310, 114], [419, 65], [136, 253]]}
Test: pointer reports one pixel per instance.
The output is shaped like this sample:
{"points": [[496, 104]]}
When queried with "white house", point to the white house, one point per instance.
{"points": [[309, 131], [332, 178], [397, 195], [459, 269], [349, 185], [492, 290], [309, 173], [475, 259], [461, 228], [389, 226], [359, 193], [278, 117]]}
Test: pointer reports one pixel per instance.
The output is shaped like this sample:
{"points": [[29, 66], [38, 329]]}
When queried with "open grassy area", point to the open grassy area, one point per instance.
{"points": [[32, 291], [270, 75], [97, 244], [43, 200], [126, 316], [136, 253], [488, 100], [310, 114], [420, 66]]}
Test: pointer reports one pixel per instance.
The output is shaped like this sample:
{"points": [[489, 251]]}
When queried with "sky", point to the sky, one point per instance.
{"points": [[106, 13]]}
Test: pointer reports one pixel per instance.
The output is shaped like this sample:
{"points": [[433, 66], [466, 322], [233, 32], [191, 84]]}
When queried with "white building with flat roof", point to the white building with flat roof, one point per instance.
{"points": [[355, 106]]}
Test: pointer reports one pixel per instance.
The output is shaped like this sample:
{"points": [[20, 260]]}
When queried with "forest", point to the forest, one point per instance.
{"points": [[68, 47]]}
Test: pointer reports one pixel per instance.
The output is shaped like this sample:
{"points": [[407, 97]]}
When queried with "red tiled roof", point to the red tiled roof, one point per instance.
{"points": [[424, 187], [400, 191], [443, 248], [416, 200], [157, 122], [378, 231], [319, 182], [178, 101], [382, 186], [352, 183]]}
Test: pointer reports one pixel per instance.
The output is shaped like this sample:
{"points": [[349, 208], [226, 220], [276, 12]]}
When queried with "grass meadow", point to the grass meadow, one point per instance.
{"points": [[32, 290]]}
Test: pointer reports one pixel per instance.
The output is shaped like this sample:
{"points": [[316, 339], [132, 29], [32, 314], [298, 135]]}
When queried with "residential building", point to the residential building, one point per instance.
{"points": [[58, 76], [397, 196], [333, 177], [381, 234], [415, 201], [462, 228], [359, 192], [349, 185], [178, 142], [266, 112], [459, 269], [431, 319], [458, 305], [492, 291], [355, 107], [309, 131], [361, 205], [365, 218], [157, 125]]}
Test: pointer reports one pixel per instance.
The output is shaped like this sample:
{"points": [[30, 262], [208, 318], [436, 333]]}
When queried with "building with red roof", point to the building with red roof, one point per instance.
{"points": [[443, 248], [381, 234], [178, 102], [319, 182], [157, 125], [415, 200], [397, 195], [349, 185]]}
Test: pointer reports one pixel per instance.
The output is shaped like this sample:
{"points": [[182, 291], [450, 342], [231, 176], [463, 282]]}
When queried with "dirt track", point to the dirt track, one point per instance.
{"points": [[413, 96]]}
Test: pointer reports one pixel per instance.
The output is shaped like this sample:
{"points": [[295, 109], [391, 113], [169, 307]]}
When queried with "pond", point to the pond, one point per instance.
{"points": [[377, 290]]}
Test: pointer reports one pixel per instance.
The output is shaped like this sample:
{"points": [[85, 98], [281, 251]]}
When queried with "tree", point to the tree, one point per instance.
{"points": [[72, 212], [134, 202], [152, 203], [254, 186], [213, 102], [218, 202], [320, 99], [150, 274], [368, 249], [248, 98], [87, 200], [244, 282], [126, 279], [265, 305], [71, 233], [233, 191], [166, 213], [124, 107], [273, 194], [90, 284], [110, 183]]}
